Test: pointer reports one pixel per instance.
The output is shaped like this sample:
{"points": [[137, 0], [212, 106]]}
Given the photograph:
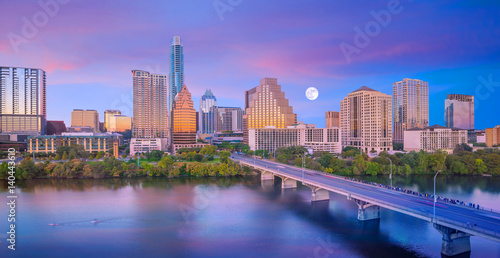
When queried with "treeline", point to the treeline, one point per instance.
{"points": [[462, 162], [168, 166]]}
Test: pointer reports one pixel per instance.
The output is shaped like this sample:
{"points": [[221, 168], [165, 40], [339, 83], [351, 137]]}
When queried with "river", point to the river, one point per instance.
{"points": [[223, 217]]}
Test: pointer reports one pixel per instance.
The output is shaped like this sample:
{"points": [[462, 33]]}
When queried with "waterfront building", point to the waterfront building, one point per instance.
{"points": [[410, 106], [143, 145], [150, 118], [229, 119], [176, 75], [85, 118], [317, 139], [492, 136], [433, 138], [206, 113], [266, 105], [23, 101], [459, 111], [91, 142], [183, 118], [332, 119], [107, 115], [366, 120]]}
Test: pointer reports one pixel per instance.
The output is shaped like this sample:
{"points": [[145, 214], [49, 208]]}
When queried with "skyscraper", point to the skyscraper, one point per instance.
{"points": [[107, 115], [120, 124], [266, 105], [459, 111], [229, 119], [206, 113], [332, 119], [366, 120], [150, 105], [176, 76], [410, 106], [183, 118], [85, 118], [23, 103]]}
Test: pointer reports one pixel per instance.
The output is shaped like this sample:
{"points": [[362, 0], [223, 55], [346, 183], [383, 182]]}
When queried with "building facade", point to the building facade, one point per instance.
{"points": [[55, 127], [176, 75], [23, 101], [229, 119], [120, 124], [317, 139], [150, 105], [433, 138], [91, 142], [183, 118], [107, 115], [410, 106], [492, 136], [332, 119], [206, 113], [459, 111], [366, 120], [266, 105], [85, 118], [143, 145]]}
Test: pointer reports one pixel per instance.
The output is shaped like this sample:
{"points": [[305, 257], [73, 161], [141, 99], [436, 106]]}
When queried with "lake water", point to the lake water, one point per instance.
{"points": [[223, 217]]}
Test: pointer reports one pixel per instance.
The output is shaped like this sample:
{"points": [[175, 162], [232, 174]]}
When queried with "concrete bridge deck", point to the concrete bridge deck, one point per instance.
{"points": [[455, 222]]}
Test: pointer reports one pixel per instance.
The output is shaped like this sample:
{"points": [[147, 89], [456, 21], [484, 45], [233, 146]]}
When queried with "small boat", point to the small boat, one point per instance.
{"points": [[53, 224], [95, 221]]}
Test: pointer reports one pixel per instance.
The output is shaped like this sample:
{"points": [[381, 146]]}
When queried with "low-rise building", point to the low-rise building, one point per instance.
{"points": [[142, 145], [433, 138], [91, 142], [317, 139], [218, 138]]}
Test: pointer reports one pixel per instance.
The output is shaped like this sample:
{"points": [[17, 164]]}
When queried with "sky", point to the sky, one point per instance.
{"points": [[88, 49]]}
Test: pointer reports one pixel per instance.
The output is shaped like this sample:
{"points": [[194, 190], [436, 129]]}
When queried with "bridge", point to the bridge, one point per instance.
{"points": [[455, 222]]}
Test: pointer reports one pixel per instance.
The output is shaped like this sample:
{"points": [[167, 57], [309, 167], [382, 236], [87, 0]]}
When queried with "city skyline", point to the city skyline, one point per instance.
{"points": [[77, 68]]}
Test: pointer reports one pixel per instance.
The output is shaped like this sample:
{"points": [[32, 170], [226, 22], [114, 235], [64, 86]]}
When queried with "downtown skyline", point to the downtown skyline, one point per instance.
{"points": [[230, 55]]}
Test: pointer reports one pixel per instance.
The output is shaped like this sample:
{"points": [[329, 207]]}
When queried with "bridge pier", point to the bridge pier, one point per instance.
{"points": [[454, 242], [288, 182], [266, 175], [367, 211], [318, 194]]}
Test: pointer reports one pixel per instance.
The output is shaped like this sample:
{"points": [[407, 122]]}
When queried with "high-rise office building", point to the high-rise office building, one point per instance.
{"points": [[492, 136], [229, 119], [183, 118], [206, 113], [85, 118], [265, 106], [150, 105], [410, 106], [23, 101], [459, 111], [120, 124], [332, 119], [176, 76], [366, 120], [107, 115]]}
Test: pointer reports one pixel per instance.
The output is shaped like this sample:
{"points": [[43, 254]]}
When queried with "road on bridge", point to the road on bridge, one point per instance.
{"points": [[447, 214]]}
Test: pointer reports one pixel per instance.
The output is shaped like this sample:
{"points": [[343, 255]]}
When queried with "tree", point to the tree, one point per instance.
{"points": [[372, 168], [360, 163], [224, 156], [166, 162], [326, 159], [198, 157], [65, 156], [480, 167], [458, 167], [98, 156], [58, 157]]}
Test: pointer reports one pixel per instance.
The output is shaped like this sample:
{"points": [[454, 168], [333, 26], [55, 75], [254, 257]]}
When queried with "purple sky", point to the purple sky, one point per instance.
{"points": [[88, 49]]}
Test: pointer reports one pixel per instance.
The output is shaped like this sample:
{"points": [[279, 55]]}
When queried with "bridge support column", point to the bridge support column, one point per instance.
{"points": [[318, 194], [454, 242], [367, 211], [266, 175], [288, 183]]}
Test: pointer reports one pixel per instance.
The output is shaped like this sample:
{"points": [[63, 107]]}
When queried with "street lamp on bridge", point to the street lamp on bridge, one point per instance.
{"points": [[391, 170], [434, 217]]}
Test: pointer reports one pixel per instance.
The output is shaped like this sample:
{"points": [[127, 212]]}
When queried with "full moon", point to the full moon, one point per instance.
{"points": [[312, 93]]}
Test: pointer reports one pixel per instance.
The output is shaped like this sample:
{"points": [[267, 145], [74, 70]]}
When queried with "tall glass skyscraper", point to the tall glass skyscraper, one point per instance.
{"points": [[206, 113], [176, 76], [23, 101], [459, 111], [183, 118], [410, 106]]}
